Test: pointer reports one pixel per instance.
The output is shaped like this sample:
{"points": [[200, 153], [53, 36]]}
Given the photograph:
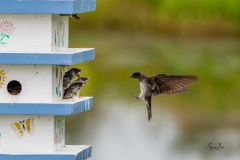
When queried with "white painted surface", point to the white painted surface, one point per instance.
{"points": [[59, 32], [40, 138], [33, 32], [57, 77], [36, 81], [59, 132], [46, 134]]}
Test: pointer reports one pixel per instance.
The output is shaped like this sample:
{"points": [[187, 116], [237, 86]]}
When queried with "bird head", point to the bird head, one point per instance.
{"points": [[137, 75], [76, 71], [82, 80]]}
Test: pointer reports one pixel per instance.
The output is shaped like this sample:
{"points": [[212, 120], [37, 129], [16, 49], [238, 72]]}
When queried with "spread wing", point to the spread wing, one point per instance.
{"points": [[170, 84]]}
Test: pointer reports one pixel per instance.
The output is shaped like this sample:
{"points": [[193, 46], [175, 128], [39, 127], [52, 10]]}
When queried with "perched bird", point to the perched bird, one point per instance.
{"points": [[80, 80], [69, 75], [160, 84], [74, 89], [75, 16], [72, 15]]}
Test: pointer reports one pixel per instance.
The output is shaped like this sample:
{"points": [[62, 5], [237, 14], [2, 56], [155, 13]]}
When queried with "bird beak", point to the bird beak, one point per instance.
{"points": [[86, 81], [131, 77]]}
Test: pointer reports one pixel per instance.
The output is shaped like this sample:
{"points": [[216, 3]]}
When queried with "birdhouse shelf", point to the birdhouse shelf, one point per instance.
{"points": [[61, 107], [47, 6], [69, 56], [34, 57], [67, 152]]}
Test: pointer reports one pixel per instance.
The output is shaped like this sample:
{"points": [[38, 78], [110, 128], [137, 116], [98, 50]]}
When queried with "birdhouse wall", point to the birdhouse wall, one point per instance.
{"points": [[59, 132], [31, 133], [35, 80], [39, 83], [57, 77], [59, 32], [33, 32]]}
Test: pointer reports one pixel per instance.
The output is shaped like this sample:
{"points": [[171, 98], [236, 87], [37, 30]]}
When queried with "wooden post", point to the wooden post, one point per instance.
{"points": [[34, 54]]}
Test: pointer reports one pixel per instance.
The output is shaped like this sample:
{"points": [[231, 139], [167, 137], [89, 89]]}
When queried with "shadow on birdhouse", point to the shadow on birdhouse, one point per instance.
{"points": [[14, 87]]}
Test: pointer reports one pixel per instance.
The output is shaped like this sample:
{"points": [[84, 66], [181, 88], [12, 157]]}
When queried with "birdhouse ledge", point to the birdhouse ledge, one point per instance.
{"points": [[47, 6], [71, 152], [59, 107], [67, 56]]}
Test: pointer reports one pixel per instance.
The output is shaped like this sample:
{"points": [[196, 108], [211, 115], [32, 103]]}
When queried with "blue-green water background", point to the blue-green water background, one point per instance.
{"points": [[172, 37]]}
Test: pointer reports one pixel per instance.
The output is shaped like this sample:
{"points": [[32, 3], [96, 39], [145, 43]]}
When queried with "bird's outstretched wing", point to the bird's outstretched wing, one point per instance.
{"points": [[170, 84]]}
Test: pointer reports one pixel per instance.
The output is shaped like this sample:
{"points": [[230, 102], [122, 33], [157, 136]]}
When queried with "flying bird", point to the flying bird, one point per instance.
{"points": [[74, 89], [161, 84], [69, 75]]}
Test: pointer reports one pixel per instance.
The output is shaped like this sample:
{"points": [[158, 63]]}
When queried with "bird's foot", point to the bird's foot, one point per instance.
{"points": [[135, 96]]}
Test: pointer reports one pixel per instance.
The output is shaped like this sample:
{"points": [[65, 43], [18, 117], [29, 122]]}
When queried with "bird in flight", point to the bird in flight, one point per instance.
{"points": [[161, 84]]}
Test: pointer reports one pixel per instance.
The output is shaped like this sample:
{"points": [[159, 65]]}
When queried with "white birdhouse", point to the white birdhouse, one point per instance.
{"points": [[34, 54]]}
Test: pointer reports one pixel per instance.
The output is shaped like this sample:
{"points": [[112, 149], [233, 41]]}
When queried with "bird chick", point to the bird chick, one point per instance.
{"points": [[69, 75], [14, 90], [74, 89], [160, 84]]}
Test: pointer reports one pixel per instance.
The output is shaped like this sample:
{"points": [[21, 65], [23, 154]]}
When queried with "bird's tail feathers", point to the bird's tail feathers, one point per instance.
{"points": [[149, 113], [149, 109]]}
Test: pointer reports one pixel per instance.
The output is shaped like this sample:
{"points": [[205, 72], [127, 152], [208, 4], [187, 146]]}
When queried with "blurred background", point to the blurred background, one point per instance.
{"points": [[196, 37]]}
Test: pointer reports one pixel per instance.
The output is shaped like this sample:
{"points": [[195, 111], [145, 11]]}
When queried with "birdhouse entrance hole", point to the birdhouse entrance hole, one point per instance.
{"points": [[14, 87]]}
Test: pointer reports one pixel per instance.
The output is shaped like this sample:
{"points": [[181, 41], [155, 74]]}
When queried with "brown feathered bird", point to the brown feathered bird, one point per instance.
{"points": [[69, 75], [161, 84], [74, 89]]}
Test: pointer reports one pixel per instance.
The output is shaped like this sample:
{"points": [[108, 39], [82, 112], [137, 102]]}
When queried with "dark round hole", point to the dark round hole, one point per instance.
{"points": [[14, 87]]}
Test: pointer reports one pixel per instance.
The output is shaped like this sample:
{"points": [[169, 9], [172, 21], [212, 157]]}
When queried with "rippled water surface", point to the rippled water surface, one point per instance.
{"points": [[183, 125]]}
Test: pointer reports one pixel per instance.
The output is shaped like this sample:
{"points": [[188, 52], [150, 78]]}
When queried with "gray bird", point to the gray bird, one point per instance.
{"points": [[74, 89], [75, 16], [72, 15], [69, 75], [160, 84]]}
